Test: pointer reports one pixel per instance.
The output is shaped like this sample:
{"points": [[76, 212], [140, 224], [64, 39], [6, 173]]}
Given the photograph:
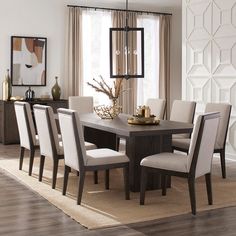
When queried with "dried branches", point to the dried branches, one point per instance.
{"points": [[103, 87]]}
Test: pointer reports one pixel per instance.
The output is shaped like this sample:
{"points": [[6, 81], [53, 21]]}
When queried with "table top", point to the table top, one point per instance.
{"points": [[120, 126]]}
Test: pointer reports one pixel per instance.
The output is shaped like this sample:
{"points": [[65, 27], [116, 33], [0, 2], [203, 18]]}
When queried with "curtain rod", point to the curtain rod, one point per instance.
{"points": [[113, 9]]}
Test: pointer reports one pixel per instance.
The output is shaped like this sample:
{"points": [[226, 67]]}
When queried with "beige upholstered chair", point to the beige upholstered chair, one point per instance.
{"points": [[191, 166], [48, 139], [77, 158], [28, 137], [182, 111], [157, 107], [81, 104], [225, 110]]}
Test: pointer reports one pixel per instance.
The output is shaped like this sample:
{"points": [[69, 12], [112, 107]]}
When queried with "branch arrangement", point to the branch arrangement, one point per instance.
{"points": [[103, 87]]}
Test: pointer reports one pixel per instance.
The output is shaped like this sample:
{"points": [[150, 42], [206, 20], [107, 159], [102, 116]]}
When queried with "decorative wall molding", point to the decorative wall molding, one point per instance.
{"points": [[209, 56]]}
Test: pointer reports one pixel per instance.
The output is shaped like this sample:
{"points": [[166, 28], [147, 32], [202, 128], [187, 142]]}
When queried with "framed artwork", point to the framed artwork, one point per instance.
{"points": [[28, 61]]}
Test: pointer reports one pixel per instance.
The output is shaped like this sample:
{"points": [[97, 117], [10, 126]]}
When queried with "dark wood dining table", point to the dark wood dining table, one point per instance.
{"points": [[141, 140]]}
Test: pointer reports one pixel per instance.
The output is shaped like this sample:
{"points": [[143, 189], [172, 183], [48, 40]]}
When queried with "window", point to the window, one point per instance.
{"points": [[95, 36], [148, 87]]}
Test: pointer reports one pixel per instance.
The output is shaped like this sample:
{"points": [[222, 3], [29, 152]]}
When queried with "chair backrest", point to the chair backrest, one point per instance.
{"points": [[25, 124], [81, 104], [157, 107], [225, 110], [183, 111], [202, 144], [47, 130], [72, 138]]}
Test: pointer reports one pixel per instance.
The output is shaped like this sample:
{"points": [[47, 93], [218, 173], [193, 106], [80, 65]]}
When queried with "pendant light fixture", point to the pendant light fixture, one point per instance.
{"points": [[126, 51]]}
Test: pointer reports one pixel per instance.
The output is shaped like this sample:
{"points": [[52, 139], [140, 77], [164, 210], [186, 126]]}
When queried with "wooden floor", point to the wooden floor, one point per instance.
{"points": [[23, 212]]}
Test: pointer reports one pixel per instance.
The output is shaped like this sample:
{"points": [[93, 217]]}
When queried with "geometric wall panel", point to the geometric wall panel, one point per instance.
{"points": [[198, 17], [209, 56], [199, 62], [223, 62], [198, 89], [224, 22]]}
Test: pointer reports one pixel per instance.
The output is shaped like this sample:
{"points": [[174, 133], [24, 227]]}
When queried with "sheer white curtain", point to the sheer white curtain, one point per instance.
{"points": [[95, 44], [148, 87]]}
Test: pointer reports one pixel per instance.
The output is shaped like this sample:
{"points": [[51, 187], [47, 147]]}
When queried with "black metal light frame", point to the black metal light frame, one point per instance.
{"points": [[127, 30]]}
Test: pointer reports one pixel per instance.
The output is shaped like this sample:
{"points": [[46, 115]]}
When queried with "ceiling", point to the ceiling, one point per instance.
{"points": [[151, 5]]}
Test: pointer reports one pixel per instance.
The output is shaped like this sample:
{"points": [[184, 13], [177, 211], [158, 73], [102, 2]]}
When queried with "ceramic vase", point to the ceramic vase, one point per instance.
{"points": [[56, 90]]}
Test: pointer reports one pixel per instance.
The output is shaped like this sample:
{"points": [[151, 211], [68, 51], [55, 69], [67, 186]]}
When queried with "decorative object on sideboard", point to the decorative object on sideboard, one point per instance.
{"points": [[28, 61], [29, 94], [6, 87], [113, 93], [56, 90]]}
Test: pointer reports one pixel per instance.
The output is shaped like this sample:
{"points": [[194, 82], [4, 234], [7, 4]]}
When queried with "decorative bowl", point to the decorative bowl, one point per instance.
{"points": [[107, 112]]}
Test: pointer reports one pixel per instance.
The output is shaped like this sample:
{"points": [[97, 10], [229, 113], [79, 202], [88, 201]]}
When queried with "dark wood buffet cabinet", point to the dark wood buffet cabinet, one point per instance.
{"points": [[8, 126]]}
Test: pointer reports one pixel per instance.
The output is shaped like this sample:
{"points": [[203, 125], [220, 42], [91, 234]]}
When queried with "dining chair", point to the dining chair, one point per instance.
{"points": [[225, 110], [197, 163], [81, 104], [28, 138], [157, 106], [77, 158], [182, 111], [49, 143]]}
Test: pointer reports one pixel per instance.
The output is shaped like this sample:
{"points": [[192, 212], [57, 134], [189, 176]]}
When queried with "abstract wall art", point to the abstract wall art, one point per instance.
{"points": [[28, 61]]}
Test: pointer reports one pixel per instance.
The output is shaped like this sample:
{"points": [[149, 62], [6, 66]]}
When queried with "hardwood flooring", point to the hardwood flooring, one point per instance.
{"points": [[24, 212]]}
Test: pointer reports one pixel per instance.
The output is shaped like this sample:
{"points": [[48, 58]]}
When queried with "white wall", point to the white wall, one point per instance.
{"points": [[34, 18], [47, 18], [209, 56]]}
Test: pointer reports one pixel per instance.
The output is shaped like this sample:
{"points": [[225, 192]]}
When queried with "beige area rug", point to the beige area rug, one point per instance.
{"points": [[103, 208]]}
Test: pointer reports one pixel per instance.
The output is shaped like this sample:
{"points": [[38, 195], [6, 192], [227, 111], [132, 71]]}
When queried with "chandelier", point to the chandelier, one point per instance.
{"points": [[126, 51]]}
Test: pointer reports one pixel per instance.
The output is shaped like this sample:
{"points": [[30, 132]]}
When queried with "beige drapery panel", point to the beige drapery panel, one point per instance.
{"points": [[128, 96], [73, 54], [164, 62]]}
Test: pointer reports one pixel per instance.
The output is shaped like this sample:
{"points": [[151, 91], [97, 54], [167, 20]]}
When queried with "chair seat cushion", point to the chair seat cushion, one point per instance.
{"points": [[104, 156], [167, 161], [182, 143], [61, 149], [90, 146], [180, 136], [59, 137], [36, 140]]}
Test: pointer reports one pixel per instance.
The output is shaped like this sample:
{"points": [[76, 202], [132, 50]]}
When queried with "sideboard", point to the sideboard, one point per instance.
{"points": [[8, 125]]}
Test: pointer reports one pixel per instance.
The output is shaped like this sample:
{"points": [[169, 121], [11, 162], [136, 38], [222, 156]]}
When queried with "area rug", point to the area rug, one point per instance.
{"points": [[105, 208]]}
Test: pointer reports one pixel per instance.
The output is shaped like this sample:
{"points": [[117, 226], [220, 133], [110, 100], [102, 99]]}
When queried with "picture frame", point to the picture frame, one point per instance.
{"points": [[28, 61]]}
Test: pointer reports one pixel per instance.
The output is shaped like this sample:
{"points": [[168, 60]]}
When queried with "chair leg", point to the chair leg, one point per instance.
{"points": [[22, 152], [163, 184], [107, 182], [222, 160], [191, 186], [126, 182], [66, 174], [81, 187], [143, 184], [95, 176], [32, 151], [54, 173], [209, 188], [42, 160]]}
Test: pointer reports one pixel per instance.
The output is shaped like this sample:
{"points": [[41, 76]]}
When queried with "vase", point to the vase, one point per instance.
{"points": [[56, 90], [6, 87]]}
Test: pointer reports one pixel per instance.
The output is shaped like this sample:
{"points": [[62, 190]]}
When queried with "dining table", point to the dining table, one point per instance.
{"points": [[141, 141]]}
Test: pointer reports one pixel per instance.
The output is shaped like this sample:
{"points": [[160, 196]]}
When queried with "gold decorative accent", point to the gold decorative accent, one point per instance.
{"points": [[136, 120]]}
